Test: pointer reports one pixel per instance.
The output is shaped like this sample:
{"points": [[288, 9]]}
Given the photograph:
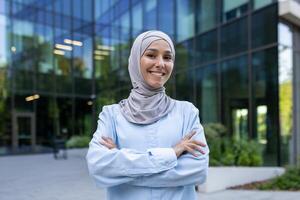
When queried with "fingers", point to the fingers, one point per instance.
{"points": [[191, 151], [196, 148], [108, 142], [108, 139], [202, 144], [190, 135], [192, 146]]}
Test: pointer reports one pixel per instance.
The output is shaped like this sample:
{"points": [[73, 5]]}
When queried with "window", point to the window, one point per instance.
{"points": [[233, 9], [257, 4], [184, 55], [185, 85], [264, 26], [265, 85], [235, 96], [206, 47], [185, 19], [150, 14], [5, 48], [206, 15], [234, 37], [166, 16], [137, 20], [4, 7], [207, 93]]}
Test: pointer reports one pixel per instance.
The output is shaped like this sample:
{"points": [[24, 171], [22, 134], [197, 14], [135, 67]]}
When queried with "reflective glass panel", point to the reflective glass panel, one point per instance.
{"points": [[87, 7], [44, 58], [206, 15], [285, 64], [23, 45], [4, 7], [64, 125], [206, 47], [66, 6], [184, 55], [5, 111], [234, 37], [63, 78], [233, 9], [4, 42], [46, 120], [22, 103], [83, 117], [207, 93], [185, 85], [185, 19], [23, 80], [261, 3], [235, 96], [264, 26], [265, 80], [62, 62], [77, 8], [137, 19], [82, 64], [166, 16], [5, 122], [150, 14]]}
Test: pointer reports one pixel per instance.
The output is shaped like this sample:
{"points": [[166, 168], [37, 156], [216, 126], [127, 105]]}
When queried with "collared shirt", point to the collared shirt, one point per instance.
{"points": [[144, 165]]}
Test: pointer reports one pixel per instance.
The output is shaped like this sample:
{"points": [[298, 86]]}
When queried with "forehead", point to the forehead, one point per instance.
{"points": [[159, 45]]}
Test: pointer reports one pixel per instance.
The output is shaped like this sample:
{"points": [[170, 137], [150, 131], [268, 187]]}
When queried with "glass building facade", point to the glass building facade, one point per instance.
{"points": [[62, 60]]}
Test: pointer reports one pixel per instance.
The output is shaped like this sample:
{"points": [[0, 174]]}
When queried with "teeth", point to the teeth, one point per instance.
{"points": [[157, 73]]}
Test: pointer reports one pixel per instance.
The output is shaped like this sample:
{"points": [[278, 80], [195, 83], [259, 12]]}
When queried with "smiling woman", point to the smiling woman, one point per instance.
{"points": [[157, 63], [149, 146]]}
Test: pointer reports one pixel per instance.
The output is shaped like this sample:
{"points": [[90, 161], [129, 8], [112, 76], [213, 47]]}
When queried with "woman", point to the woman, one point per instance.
{"points": [[149, 146]]}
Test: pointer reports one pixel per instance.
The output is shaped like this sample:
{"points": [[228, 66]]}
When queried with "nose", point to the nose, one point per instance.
{"points": [[160, 62]]}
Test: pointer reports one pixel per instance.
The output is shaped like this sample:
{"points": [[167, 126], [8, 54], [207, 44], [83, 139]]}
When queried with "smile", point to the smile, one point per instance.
{"points": [[157, 73]]}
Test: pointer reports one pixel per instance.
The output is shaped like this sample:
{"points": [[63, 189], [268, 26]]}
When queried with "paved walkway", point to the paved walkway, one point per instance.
{"points": [[40, 177]]}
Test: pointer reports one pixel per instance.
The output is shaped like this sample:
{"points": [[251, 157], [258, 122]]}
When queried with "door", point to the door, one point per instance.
{"points": [[24, 137]]}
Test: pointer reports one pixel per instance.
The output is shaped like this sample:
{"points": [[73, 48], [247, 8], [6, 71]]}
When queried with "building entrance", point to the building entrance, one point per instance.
{"points": [[24, 134]]}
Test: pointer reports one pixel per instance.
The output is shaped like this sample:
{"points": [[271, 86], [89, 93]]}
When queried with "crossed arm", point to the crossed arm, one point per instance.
{"points": [[185, 163], [190, 169], [187, 144]]}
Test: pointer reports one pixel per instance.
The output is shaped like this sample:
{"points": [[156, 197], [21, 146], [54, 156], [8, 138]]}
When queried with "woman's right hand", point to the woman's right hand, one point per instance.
{"points": [[108, 142], [187, 144]]}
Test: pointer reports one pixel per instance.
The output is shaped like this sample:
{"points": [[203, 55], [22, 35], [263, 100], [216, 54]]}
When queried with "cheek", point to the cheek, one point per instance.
{"points": [[170, 68], [143, 68]]}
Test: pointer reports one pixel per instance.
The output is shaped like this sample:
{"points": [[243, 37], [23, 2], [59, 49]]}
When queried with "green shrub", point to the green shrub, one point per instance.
{"points": [[226, 151], [214, 130], [290, 180], [248, 153], [215, 142], [78, 142], [228, 159]]}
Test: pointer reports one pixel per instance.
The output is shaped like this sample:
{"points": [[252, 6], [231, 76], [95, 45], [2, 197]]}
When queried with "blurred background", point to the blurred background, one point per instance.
{"points": [[238, 61]]}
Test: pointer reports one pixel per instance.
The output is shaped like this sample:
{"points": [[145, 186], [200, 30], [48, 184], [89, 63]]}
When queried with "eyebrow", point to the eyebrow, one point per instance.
{"points": [[167, 51]]}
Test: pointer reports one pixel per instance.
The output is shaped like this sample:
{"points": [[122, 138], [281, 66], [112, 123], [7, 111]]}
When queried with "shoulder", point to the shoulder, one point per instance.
{"points": [[186, 107], [110, 110]]}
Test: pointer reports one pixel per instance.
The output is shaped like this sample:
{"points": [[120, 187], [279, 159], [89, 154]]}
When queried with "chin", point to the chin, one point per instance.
{"points": [[156, 85]]}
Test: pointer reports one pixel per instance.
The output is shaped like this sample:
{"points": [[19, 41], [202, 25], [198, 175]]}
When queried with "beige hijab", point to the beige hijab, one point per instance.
{"points": [[145, 105]]}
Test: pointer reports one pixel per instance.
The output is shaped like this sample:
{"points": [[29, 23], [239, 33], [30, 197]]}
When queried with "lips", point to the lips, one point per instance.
{"points": [[157, 73]]}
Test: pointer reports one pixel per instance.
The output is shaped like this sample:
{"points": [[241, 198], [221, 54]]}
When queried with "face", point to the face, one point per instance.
{"points": [[157, 63]]}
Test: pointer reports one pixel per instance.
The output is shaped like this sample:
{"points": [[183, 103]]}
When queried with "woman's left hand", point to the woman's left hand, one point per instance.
{"points": [[108, 142]]}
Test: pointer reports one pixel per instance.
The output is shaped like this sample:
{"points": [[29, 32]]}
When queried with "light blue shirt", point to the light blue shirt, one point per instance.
{"points": [[144, 166]]}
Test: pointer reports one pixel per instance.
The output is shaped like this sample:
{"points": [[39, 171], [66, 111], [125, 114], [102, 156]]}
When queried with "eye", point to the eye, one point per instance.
{"points": [[168, 57], [150, 55]]}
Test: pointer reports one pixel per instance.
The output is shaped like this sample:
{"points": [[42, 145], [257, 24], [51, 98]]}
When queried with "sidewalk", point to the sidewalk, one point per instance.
{"points": [[40, 177]]}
